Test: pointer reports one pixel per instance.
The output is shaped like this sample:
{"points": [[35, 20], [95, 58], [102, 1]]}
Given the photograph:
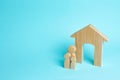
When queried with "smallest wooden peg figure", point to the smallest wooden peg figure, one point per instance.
{"points": [[70, 58], [67, 60]]}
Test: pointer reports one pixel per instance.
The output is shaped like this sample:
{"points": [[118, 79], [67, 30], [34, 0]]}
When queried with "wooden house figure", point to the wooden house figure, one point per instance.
{"points": [[90, 35]]}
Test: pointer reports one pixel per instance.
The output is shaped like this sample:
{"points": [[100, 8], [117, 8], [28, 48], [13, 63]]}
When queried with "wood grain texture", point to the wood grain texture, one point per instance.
{"points": [[92, 36]]}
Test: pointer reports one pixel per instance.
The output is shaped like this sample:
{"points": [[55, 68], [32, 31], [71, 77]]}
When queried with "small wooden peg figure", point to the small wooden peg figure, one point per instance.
{"points": [[67, 61], [70, 58]]}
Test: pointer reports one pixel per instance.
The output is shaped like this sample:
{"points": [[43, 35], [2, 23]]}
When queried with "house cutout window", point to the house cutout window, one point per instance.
{"points": [[88, 50]]}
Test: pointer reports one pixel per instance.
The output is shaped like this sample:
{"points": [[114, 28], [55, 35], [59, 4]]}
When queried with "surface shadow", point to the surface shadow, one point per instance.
{"points": [[60, 50], [89, 53]]}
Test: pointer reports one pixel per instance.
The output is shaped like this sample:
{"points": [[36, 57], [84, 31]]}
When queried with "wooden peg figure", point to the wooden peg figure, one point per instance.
{"points": [[73, 62], [72, 51], [70, 58], [67, 61]]}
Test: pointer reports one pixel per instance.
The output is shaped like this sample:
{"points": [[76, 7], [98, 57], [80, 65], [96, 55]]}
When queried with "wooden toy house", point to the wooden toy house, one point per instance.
{"points": [[90, 35]]}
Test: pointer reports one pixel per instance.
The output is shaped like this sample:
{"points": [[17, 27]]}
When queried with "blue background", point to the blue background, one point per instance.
{"points": [[35, 35]]}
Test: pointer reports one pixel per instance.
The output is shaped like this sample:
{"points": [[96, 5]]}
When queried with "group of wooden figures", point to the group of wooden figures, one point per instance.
{"points": [[70, 58]]}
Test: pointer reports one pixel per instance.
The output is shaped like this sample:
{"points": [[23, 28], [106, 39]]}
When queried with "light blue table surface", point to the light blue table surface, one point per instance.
{"points": [[35, 35]]}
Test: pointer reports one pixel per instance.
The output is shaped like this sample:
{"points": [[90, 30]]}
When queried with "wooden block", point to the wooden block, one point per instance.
{"points": [[98, 55]]}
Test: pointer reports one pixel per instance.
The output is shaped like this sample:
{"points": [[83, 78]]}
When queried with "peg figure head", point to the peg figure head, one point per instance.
{"points": [[72, 49]]}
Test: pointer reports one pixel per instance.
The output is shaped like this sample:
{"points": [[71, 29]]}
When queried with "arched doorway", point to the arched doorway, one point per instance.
{"points": [[89, 51]]}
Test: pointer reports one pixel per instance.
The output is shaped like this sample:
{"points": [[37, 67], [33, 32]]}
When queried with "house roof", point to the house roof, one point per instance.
{"points": [[92, 27]]}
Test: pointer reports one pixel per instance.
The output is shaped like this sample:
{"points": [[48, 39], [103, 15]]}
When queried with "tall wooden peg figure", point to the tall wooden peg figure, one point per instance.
{"points": [[72, 51]]}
